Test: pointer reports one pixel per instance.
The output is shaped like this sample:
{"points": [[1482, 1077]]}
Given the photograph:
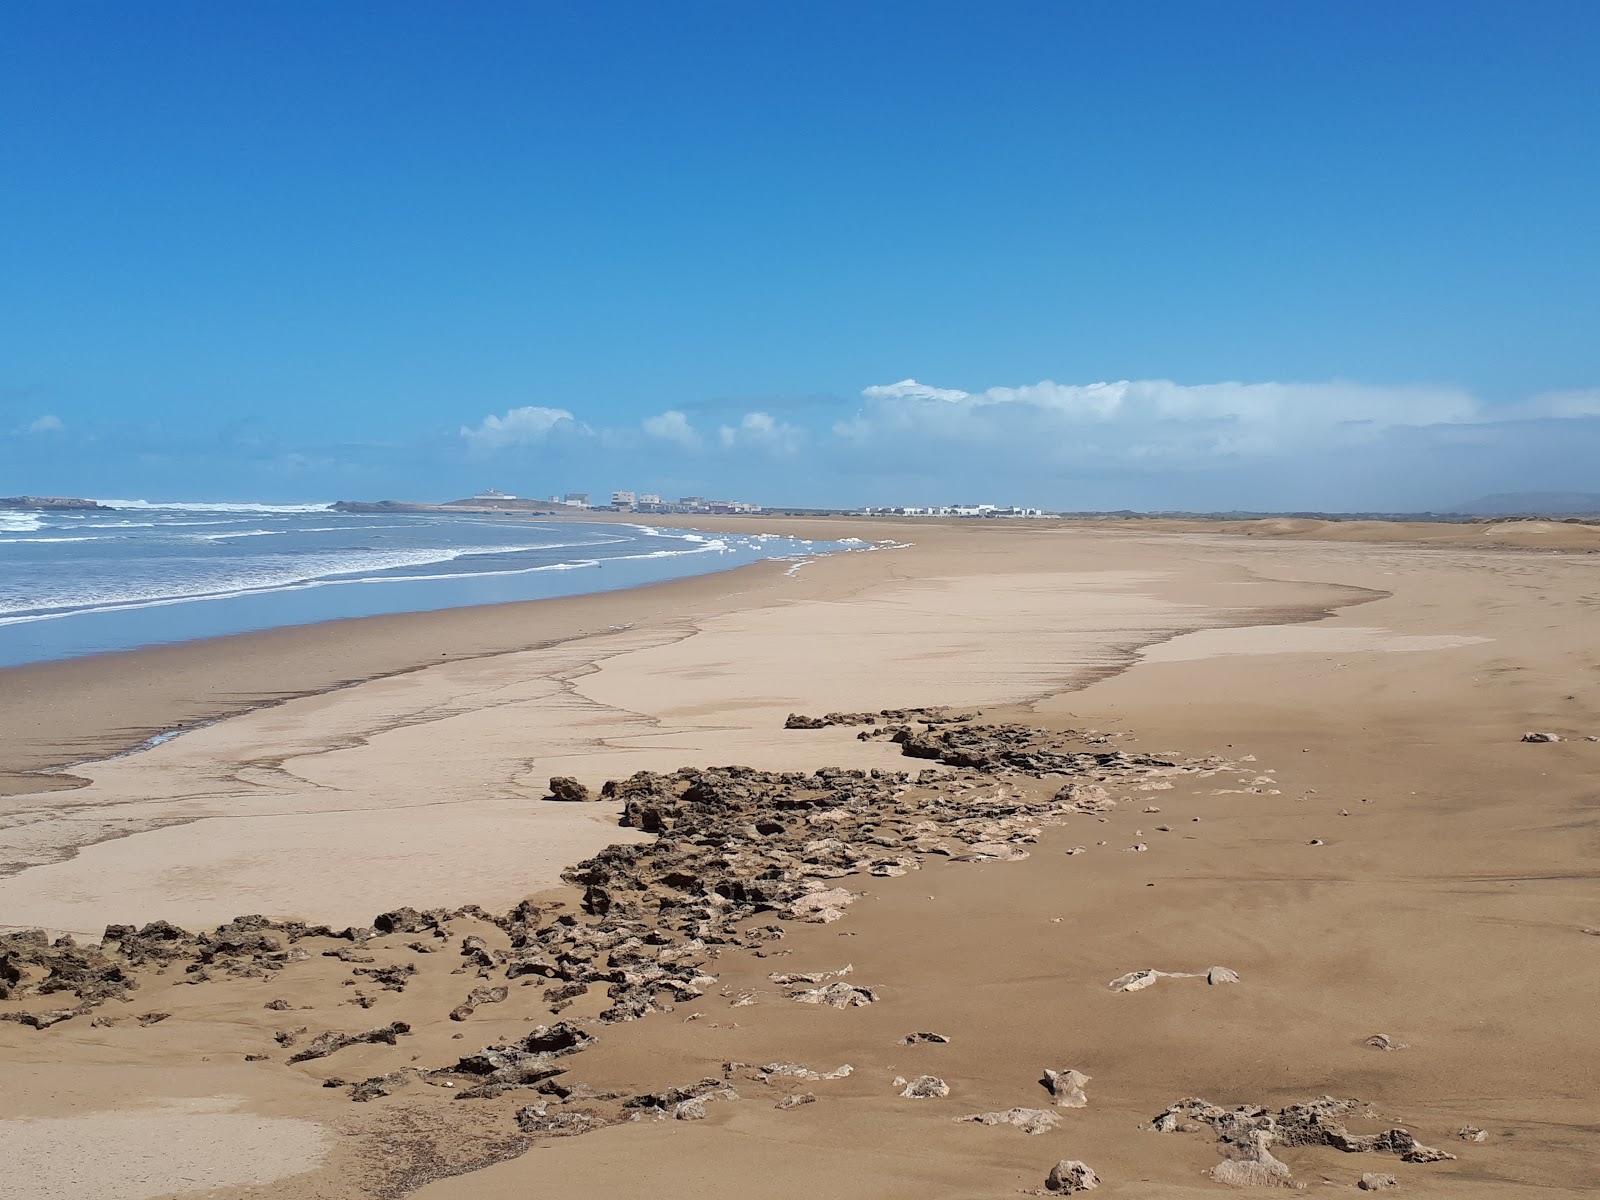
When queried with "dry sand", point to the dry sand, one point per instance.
{"points": [[1373, 689]]}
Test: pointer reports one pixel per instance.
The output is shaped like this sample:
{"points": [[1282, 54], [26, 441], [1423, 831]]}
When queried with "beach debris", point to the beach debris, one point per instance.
{"points": [[1253, 1164], [325, 1044], [1541, 737], [795, 1100], [1135, 981], [1374, 1182], [1029, 1120], [1066, 1087], [792, 977], [1382, 1041], [837, 995], [911, 1039], [925, 1087], [1071, 1175], [564, 787], [1471, 1133]]}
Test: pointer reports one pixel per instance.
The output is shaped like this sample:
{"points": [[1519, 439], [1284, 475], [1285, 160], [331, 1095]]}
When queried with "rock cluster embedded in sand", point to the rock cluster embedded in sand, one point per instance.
{"points": [[737, 853], [1029, 1120], [1245, 1135]]}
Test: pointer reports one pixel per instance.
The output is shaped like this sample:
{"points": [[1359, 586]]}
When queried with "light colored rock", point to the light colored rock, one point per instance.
{"points": [[786, 1070], [1217, 975], [1066, 1087], [1374, 1182], [1255, 1166], [1382, 1041], [810, 976], [926, 1087], [1541, 737], [837, 995], [1471, 1133], [821, 907], [795, 1101], [1029, 1120], [690, 1110], [1071, 1175], [1134, 981]]}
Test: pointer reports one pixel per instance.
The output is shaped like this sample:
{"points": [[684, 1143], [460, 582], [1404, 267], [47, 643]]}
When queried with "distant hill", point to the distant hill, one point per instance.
{"points": [[1533, 504]]}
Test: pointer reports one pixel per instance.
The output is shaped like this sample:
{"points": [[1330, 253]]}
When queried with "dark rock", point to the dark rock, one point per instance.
{"points": [[325, 1044], [403, 920], [564, 787]]}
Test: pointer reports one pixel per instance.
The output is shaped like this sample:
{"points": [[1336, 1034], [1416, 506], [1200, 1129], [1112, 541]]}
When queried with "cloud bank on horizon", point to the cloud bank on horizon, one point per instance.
{"points": [[1146, 443], [1138, 444]]}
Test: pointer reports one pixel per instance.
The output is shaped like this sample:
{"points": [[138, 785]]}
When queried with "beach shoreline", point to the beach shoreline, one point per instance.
{"points": [[74, 711]]}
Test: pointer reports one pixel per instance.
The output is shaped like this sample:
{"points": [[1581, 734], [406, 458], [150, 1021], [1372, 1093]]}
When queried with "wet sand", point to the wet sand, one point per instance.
{"points": [[1386, 856]]}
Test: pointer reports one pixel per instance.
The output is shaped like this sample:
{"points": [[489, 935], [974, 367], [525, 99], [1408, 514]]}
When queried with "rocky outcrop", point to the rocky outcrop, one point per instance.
{"points": [[564, 787], [1245, 1133], [888, 716], [51, 504]]}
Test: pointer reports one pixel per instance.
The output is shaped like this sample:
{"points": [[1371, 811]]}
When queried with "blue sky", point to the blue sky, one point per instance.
{"points": [[1271, 255]]}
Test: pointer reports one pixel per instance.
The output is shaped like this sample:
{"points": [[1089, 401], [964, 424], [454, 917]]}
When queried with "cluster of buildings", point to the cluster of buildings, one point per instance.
{"points": [[622, 501], [650, 502], [957, 510]]}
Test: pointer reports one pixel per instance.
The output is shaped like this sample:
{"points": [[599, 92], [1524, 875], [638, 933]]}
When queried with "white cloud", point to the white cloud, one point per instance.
{"points": [[910, 389], [760, 431], [46, 424], [1153, 421], [520, 427], [673, 426]]}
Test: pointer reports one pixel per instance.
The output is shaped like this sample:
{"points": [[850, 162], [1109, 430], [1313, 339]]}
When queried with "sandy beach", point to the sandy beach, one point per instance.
{"points": [[1290, 749]]}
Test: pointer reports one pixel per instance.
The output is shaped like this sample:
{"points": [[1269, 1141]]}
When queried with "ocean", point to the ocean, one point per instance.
{"points": [[139, 574]]}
